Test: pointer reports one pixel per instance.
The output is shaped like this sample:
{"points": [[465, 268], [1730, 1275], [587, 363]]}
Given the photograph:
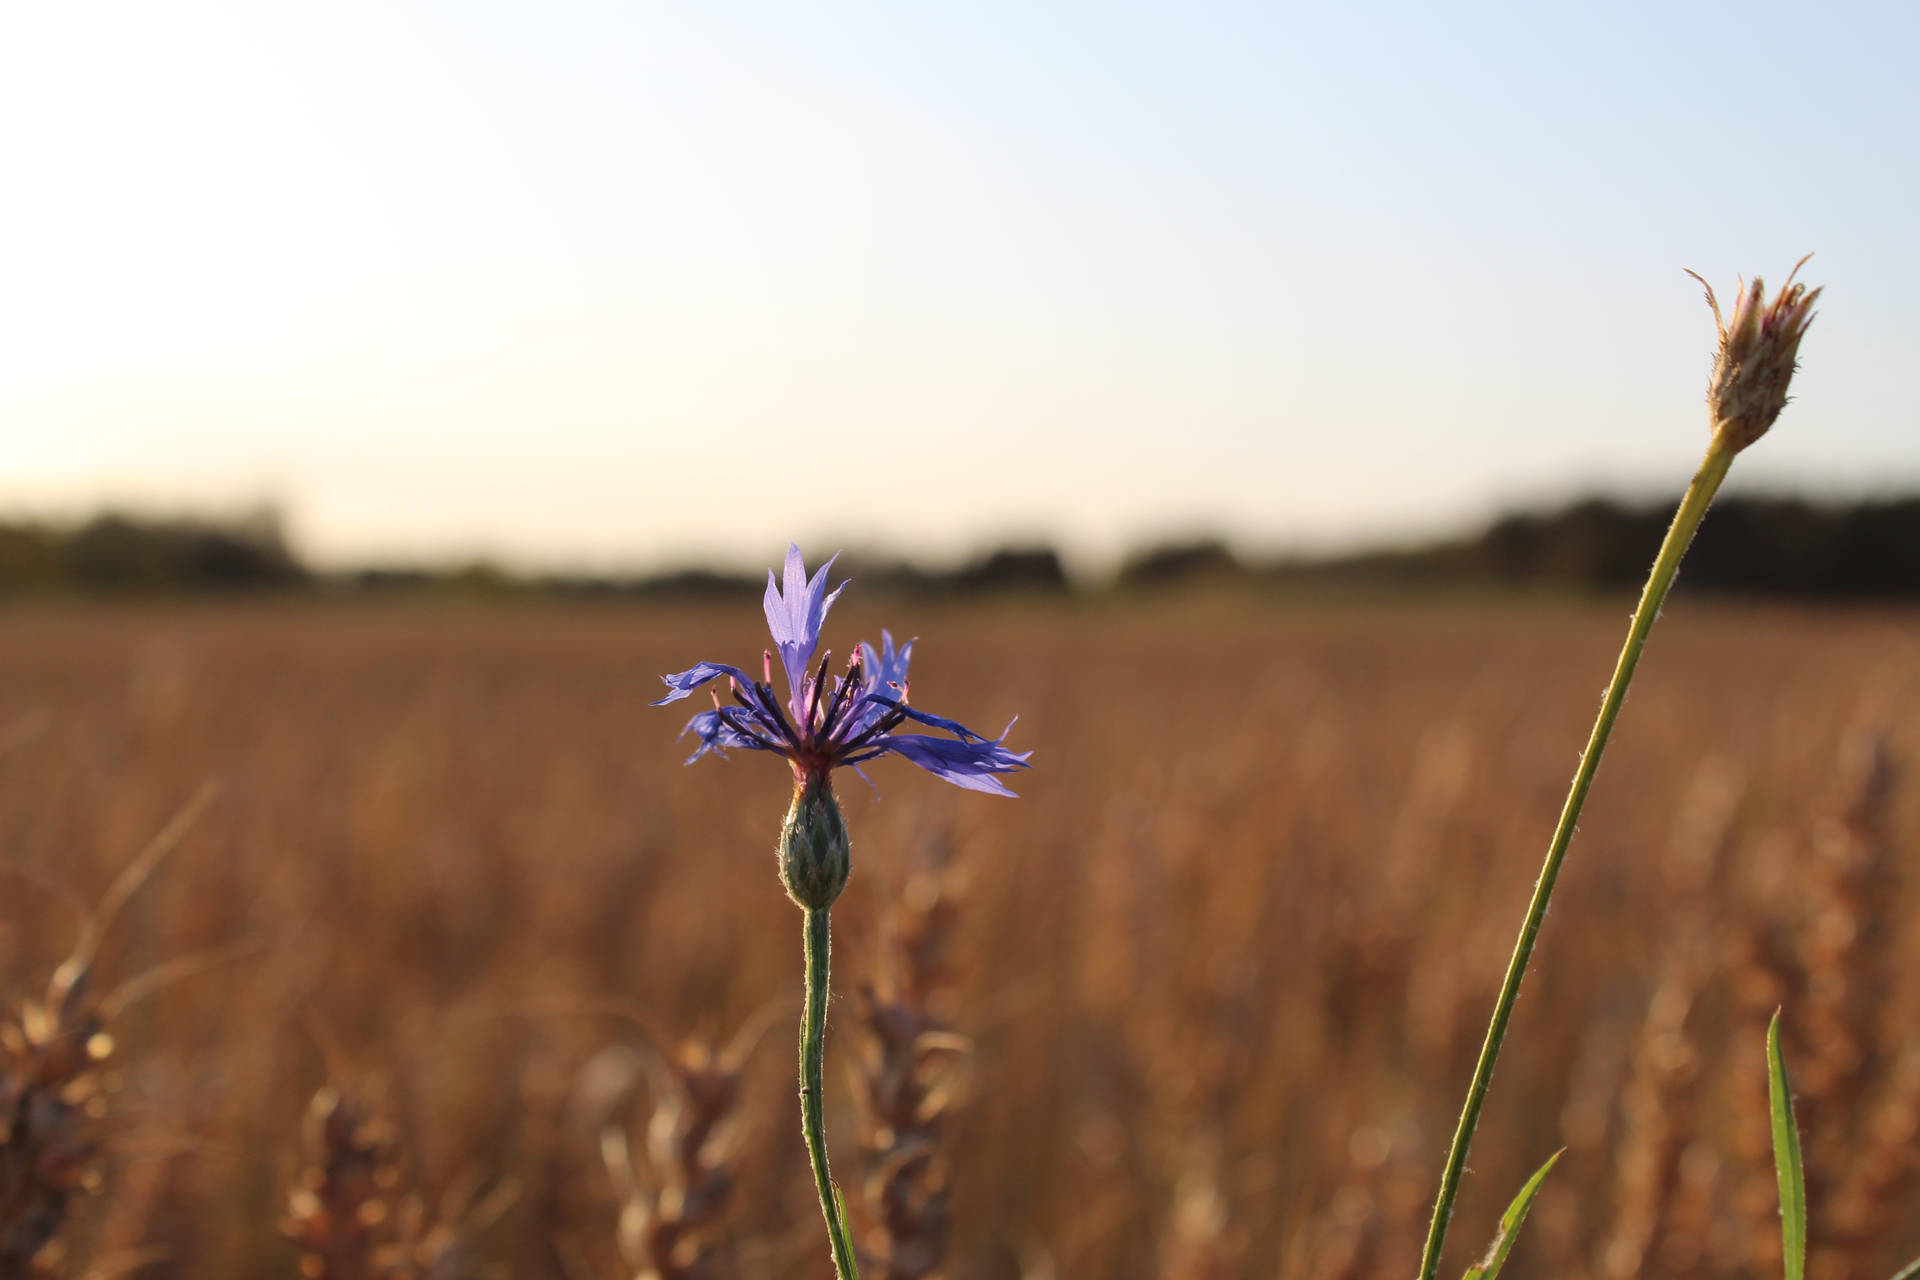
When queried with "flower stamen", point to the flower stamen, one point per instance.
{"points": [[746, 728], [819, 687], [841, 697], [771, 705], [886, 724]]}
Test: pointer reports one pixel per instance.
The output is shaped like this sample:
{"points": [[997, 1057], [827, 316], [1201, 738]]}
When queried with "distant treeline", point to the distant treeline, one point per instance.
{"points": [[115, 553], [1748, 546]]}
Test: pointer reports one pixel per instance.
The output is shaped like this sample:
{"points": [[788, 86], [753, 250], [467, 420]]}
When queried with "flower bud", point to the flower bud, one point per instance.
{"points": [[1758, 347], [815, 855]]}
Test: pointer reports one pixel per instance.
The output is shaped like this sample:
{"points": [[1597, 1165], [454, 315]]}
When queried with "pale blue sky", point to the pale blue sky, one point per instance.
{"points": [[597, 284]]}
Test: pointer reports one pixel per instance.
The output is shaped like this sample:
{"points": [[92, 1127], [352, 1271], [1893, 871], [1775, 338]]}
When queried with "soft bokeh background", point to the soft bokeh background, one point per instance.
{"points": [[416, 343], [1220, 973]]}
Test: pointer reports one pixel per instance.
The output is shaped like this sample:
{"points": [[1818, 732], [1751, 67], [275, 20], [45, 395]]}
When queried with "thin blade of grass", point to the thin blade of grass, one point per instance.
{"points": [[1786, 1159], [74, 971], [853, 1261], [1489, 1267], [1909, 1272]]}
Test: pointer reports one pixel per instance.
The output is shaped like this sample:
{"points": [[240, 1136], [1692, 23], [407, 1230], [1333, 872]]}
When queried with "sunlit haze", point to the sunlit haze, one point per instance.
{"points": [[606, 285]]}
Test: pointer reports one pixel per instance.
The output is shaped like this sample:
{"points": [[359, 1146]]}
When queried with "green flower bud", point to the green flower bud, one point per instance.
{"points": [[815, 855]]}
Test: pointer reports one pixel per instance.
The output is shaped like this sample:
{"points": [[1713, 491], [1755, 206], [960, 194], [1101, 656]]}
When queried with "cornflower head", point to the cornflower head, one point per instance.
{"points": [[1759, 350], [827, 723]]}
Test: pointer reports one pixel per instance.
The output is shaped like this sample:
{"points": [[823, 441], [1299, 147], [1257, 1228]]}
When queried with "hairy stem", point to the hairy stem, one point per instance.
{"points": [[1685, 521], [813, 1053]]}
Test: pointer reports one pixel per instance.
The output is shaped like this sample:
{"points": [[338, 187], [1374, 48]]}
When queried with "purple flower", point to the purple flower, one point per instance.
{"points": [[848, 720]]}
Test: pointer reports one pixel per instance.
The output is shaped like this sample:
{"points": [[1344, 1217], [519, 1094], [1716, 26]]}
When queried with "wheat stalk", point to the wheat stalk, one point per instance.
{"points": [[354, 1215], [673, 1203], [55, 1086]]}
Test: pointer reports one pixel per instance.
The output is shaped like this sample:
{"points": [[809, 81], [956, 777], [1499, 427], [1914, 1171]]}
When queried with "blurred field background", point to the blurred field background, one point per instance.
{"points": [[1204, 999], [388, 394]]}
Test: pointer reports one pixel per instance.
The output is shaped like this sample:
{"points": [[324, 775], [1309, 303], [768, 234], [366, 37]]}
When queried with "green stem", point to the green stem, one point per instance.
{"points": [[1685, 521], [813, 1053]]}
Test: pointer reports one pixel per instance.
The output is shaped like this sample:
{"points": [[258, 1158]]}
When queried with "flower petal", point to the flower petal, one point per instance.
{"points": [[796, 609], [882, 673], [932, 721], [717, 733], [886, 667], [964, 764], [685, 682]]}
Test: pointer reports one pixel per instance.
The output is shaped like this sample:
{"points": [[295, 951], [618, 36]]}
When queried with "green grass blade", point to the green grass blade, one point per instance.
{"points": [[1909, 1272], [1489, 1267], [1786, 1159], [846, 1239]]}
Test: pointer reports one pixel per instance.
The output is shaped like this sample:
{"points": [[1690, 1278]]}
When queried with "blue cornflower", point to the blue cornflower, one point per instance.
{"points": [[824, 725]]}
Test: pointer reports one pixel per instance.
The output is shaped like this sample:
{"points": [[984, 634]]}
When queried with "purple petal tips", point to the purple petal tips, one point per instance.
{"points": [[795, 615], [693, 677], [826, 724]]}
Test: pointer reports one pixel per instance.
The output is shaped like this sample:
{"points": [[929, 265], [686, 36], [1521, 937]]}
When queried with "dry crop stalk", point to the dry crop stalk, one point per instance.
{"points": [[1657, 1107], [55, 1084], [1657, 1208], [905, 1082], [341, 1213], [1860, 1113], [53, 1104], [672, 1218], [351, 1214]]}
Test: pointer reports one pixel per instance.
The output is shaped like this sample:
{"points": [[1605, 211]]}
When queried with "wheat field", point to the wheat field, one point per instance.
{"points": [[460, 961]]}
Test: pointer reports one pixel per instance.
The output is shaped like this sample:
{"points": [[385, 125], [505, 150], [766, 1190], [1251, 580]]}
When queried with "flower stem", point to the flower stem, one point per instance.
{"points": [[1685, 521], [813, 1052]]}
